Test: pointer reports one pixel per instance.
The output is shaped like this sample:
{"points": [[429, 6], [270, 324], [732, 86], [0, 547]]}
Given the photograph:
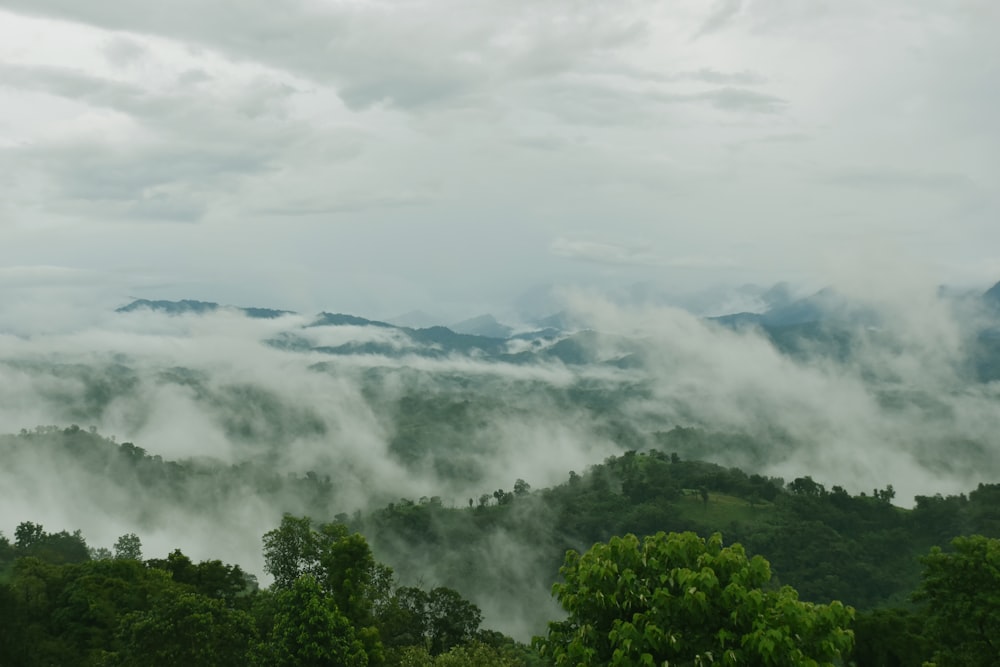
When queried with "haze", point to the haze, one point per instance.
{"points": [[634, 167], [454, 157]]}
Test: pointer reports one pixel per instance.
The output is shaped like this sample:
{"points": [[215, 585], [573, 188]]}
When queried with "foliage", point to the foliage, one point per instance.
{"points": [[31, 540], [437, 620], [128, 547], [183, 628], [340, 563], [474, 653], [890, 637], [679, 597], [211, 578], [962, 593], [310, 630], [822, 540]]}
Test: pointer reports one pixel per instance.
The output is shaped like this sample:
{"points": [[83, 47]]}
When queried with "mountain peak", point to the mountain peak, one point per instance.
{"points": [[992, 295], [482, 325]]}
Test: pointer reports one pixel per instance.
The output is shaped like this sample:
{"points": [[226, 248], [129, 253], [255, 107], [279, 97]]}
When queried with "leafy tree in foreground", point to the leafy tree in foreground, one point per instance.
{"points": [[185, 628], [680, 599], [310, 630], [962, 591], [341, 566]]}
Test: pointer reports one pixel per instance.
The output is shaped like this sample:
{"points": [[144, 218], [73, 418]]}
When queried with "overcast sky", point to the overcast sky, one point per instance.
{"points": [[451, 155]]}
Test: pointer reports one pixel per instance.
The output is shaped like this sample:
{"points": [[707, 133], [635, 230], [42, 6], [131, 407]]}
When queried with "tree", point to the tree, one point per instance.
{"points": [[438, 620], [211, 578], [451, 619], [886, 495], [340, 563], [962, 592], [30, 539], [27, 534], [185, 628], [890, 637], [128, 547], [310, 630], [290, 551], [681, 599], [806, 486]]}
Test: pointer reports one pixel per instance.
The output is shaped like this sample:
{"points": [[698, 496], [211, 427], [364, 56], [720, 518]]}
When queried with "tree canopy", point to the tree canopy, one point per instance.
{"points": [[680, 599], [962, 592]]}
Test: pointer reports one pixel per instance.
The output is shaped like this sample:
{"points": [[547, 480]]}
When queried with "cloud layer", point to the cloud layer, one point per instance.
{"points": [[371, 153]]}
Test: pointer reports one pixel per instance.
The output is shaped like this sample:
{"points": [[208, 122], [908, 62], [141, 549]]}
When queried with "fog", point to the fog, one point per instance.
{"points": [[902, 407]]}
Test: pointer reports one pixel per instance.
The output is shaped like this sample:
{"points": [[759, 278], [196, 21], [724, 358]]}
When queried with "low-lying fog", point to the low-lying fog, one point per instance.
{"points": [[901, 406]]}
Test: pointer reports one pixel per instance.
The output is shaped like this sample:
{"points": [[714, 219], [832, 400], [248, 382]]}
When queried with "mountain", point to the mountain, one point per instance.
{"points": [[171, 307], [561, 321], [778, 295], [825, 305], [483, 325], [415, 319], [991, 297], [189, 306], [325, 319]]}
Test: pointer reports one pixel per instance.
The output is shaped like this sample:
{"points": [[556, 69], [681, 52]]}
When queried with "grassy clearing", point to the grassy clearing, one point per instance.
{"points": [[721, 510]]}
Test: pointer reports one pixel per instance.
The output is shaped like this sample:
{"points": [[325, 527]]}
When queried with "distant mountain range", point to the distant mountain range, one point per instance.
{"points": [[186, 306], [484, 325], [825, 323]]}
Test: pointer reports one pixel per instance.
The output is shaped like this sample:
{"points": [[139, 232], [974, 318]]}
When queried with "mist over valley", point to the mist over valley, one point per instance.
{"points": [[235, 416], [435, 334]]}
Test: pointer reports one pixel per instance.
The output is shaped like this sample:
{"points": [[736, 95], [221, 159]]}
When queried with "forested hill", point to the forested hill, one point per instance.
{"points": [[503, 548]]}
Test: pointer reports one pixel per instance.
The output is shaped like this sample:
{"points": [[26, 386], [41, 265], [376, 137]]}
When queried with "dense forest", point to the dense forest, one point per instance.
{"points": [[402, 585], [502, 334], [763, 490]]}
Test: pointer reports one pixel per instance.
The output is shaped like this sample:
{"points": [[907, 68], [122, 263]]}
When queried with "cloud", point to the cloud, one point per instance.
{"points": [[721, 14], [439, 140], [124, 52], [385, 426], [708, 75], [889, 412], [601, 252], [343, 45], [890, 178], [737, 99], [42, 276], [172, 156]]}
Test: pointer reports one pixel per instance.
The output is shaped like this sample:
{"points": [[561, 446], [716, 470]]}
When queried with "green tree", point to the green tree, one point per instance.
{"points": [[890, 638], [185, 628], [290, 550], [438, 620], [310, 630], [474, 654], [404, 621], [962, 592], [30, 539], [27, 534], [681, 599], [341, 564], [451, 619], [128, 547]]}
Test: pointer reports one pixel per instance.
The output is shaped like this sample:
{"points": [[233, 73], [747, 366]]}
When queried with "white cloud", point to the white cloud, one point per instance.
{"points": [[456, 137]]}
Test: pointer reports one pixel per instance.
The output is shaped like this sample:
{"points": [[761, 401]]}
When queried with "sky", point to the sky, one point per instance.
{"points": [[464, 156]]}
